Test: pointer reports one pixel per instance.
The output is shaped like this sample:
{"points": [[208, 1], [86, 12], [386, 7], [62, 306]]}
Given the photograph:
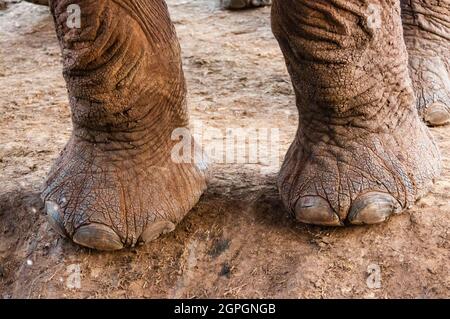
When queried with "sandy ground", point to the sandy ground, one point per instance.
{"points": [[238, 241]]}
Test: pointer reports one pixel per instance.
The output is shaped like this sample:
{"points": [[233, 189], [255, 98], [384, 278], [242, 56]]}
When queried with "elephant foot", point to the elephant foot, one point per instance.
{"points": [[108, 200], [432, 87], [243, 4], [426, 34], [361, 153], [338, 180]]}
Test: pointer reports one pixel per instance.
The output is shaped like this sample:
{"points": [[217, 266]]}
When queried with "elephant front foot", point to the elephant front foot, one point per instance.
{"points": [[108, 199], [116, 183], [243, 4], [432, 86], [337, 180]]}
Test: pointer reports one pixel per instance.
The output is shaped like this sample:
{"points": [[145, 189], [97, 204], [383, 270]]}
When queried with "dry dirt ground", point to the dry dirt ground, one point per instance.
{"points": [[238, 241]]}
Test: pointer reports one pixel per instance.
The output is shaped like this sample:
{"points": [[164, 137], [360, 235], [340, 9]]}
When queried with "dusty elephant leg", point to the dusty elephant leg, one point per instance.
{"points": [[361, 152], [427, 35], [115, 184]]}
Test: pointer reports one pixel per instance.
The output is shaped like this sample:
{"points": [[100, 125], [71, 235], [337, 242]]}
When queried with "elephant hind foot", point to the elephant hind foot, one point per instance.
{"points": [[432, 87], [427, 38]]}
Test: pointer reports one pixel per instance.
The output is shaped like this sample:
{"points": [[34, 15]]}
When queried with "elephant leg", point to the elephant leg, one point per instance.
{"points": [[117, 183], [427, 36], [361, 152]]}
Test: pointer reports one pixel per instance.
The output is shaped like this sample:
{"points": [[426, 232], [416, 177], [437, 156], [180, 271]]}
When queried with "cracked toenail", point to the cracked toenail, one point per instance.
{"points": [[373, 208], [154, 230], [316, 210], [54, 218], [97, 236], [437, 114]]}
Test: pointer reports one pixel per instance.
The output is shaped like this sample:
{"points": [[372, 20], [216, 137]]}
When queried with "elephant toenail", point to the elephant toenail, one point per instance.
{"points": [[154, 230], [373, 208], [316, 210], [437, 114], [97, 236], [54, 218]]}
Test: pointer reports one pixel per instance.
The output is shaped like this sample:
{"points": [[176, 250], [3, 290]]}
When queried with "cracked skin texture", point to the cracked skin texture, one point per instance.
{"points": [[361, 152], [360, 155], [427, 36], [114, 184]]}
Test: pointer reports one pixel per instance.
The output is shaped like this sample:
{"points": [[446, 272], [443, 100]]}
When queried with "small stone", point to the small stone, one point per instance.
{"points": [[226, 270]]}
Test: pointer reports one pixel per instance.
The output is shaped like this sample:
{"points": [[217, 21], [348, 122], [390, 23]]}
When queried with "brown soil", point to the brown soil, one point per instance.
{"points": [[238, 241]]}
